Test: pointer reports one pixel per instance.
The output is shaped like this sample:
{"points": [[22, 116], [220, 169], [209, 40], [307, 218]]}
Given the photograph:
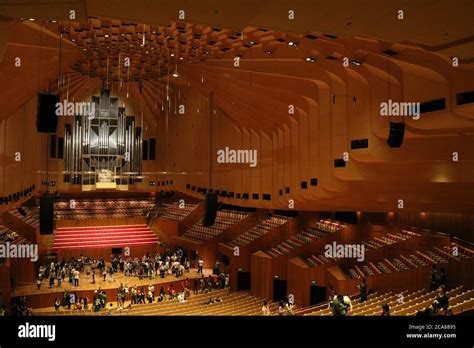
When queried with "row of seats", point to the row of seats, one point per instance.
{"points": [[224, 219], [31, 217], [232, 303], [328, 226], [174, 211], [404, 303], [402, 263], [10, 236], [262, 228], [101, 208], [302, 238]]}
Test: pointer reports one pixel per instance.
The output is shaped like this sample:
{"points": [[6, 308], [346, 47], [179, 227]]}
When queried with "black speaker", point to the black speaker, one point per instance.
{"points": [[210, 209], [145, 150], [60, 148], [46, 118], [397, 132], [152, 149], [46, 214]]}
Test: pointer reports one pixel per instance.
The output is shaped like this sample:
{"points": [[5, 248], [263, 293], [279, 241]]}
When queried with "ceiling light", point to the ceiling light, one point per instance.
{"points": [[73, 40], [355, 62], [175, 74], [310, 59], [291, 43], [53, 21], [106, 35], [31, 19], [172, 54], [268, 52], [252, 43], [181, 58]]}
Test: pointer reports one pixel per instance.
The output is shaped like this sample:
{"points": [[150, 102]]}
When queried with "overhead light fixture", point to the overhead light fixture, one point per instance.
{"points": [[310, 59], [106, 35], [175, 75], [252, 43], [292, 43], [355, 62], [73, 40], [31, 19], [268, 52], [172, 54], [53, 21]]}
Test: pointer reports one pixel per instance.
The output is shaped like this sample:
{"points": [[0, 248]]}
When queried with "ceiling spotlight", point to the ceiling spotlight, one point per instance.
{"points": [[252, 43], [172, 54], [53, 21], [84, 49], [355, 62], [268, 52], [175, 75], [73, 40], [310, 59], [106, 35], [31, 19], [181, 58]]}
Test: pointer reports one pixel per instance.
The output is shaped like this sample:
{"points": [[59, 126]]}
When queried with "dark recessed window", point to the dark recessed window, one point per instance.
{"points": [[193, 188], [238, 195], [359, 144], [331, 58], [287, 190], [267, 197], [465, 98], [188, 186], [311, 37], [390, 52], [314, 182], [304, 184], [339, 163], [280, 192], [433, 105], [255, 196], [330, 36]]}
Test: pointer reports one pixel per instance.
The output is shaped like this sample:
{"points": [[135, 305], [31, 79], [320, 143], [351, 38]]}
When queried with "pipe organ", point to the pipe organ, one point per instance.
{"points": [[103, 149]]}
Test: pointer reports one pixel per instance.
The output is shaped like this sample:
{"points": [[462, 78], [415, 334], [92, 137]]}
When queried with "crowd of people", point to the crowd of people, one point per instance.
{"points": [[161, 265], [79, 269]]}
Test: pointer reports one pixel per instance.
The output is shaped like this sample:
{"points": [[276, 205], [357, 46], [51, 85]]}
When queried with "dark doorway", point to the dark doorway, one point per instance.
{"points": [[243, 281], [279, 289], [317, 294]]}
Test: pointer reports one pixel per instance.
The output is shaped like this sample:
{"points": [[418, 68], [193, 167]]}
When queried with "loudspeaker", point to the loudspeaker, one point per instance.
{"points": [[60, 148], [152, 149], [46, 214], [397, 132], [145, 150], [210, 210], [46, 119]]}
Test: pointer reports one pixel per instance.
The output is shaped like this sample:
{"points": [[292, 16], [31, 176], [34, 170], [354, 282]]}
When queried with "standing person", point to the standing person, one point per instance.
{"points": [[216, 268], [200, 265], [57, 304], [441, 304], [434, 278], [442, 280], [363, 290], [59, 277], [266, 309], [196, 286]]}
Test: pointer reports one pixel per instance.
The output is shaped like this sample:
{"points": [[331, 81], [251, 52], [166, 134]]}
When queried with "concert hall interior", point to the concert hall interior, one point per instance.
{"points": [[253, 158]]}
